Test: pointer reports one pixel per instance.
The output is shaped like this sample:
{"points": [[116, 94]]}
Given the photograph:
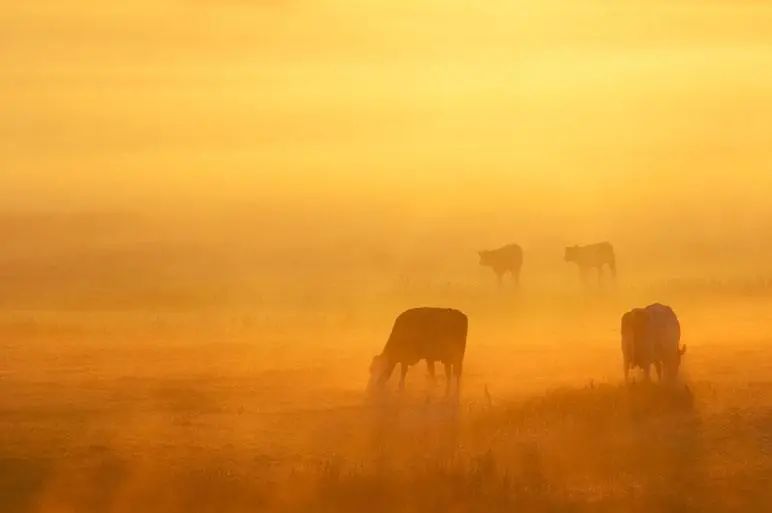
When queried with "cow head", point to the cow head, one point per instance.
{"points": [[570, 253], [377, 371], [484, 257]]}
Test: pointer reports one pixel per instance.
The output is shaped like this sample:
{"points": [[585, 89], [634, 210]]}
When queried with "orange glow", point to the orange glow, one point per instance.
{"points": [[212, 212]]}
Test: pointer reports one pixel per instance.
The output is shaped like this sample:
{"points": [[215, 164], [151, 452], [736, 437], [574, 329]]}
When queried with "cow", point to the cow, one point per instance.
{"points": [[635, 352], [431, 334], [502, 260], [651, 336], [592, 256]]}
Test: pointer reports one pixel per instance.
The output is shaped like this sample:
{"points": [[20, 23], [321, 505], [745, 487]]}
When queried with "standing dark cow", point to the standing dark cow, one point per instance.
{"points": [[592, 256], [505, 259], [651, 336], [433, 334]]}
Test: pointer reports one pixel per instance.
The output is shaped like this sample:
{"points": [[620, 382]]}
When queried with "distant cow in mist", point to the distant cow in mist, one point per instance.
{"points": [[651, 336], [507, 259], [592, 256], [431, 334]]}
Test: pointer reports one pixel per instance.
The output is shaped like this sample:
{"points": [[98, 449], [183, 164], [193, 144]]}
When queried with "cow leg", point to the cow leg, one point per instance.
{"points": [[626, 369], [448, 377], [499, 277], [430, 368], [658, 368], [583, 271], [403, 370], [457, 371], [647, 372]]}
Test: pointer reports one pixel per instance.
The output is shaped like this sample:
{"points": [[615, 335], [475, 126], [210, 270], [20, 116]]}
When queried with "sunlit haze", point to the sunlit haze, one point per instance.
{"points": [[212, 212]]}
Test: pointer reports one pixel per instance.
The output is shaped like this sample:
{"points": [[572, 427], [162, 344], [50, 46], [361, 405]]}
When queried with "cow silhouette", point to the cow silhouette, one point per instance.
{"points": [[431, 334], [592, 256], [651, 336], [506, 259]]}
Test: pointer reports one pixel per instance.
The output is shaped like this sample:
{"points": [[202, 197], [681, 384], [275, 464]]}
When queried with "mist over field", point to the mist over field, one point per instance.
{"points": [[212, 213]]}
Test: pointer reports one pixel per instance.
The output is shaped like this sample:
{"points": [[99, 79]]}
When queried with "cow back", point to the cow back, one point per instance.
{"points": [[437, 334], [637, 346], [664, 328], [508, 257], [591, 255]]}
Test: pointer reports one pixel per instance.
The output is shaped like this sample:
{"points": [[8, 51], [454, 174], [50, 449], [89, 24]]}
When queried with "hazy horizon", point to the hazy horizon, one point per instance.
{"points": [[393, 124], [212, 212]]}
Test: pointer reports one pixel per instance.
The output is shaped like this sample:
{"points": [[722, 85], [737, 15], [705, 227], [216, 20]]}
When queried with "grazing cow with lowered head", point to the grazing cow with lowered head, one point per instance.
{"points": [[592, 256], [431, 334], [503, 260], [651, 336]]}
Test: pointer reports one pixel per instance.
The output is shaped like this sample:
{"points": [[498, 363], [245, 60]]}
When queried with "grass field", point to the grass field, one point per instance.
{"points": [[255, 409]]}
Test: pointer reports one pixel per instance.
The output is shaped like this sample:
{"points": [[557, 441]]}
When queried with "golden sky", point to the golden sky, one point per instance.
{"points": [[455, 105]]}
